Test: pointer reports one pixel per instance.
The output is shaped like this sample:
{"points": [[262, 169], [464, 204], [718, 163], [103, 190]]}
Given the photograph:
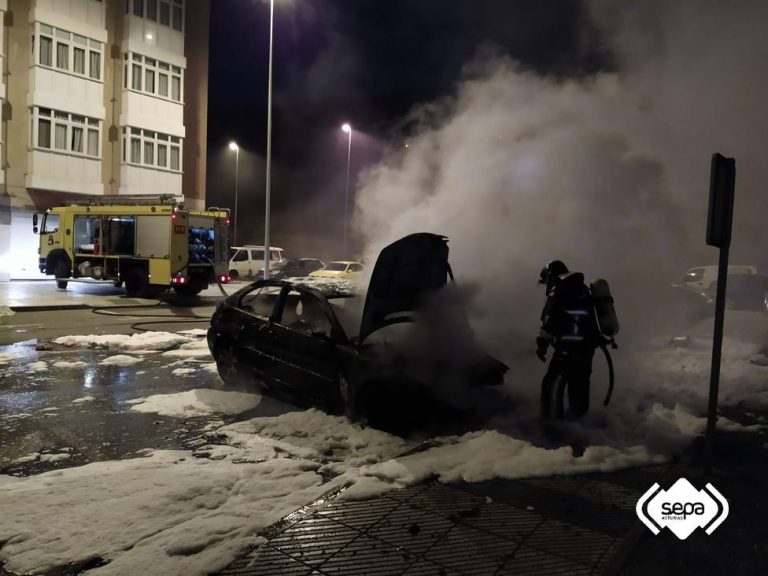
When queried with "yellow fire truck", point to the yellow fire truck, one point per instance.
{"points": [[148, 243]]}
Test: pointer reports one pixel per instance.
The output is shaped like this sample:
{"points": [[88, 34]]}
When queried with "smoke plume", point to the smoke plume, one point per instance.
{"points": [[609, 173]]}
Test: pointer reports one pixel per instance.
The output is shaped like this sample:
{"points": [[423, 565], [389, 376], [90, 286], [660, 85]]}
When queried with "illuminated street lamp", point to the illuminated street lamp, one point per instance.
{"points": [[269, 141], [348, 129], [233, 146]]}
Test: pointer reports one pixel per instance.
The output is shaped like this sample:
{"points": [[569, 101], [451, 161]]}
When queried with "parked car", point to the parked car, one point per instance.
{"points": [[293, 268], [705, 277], [339, 269], [402, 352], [248, 261]]}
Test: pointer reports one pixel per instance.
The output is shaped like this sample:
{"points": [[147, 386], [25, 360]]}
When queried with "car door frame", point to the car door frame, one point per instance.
{"points": [[261, 351], [307, 364]]}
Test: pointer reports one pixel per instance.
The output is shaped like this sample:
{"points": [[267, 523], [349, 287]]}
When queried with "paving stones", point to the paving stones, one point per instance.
{"points": [[569, 526]]}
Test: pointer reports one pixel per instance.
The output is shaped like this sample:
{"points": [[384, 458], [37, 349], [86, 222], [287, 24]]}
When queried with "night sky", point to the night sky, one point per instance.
{"points": [[366, 62]]}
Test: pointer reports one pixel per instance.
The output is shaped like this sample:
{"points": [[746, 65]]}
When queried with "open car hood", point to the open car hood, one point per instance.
{"points": [[404, 272]]}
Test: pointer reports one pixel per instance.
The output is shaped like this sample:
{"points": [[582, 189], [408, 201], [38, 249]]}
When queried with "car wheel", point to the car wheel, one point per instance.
{"points": [[231, 369], [136, 283], [118, 283], [62, 271], [233, 274]]}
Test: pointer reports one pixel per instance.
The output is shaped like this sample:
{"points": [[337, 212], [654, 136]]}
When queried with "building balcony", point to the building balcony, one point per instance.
{"points": [[154, 40], [86, 17], [64, 172], [145, 180], [50, 88], [152, 113]]}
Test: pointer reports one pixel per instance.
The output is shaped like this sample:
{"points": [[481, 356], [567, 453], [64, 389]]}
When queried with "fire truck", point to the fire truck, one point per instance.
{"points": [[148, 243]]}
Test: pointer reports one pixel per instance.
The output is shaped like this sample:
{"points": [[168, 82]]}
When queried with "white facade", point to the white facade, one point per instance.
{"points": [[152, 112], [66, 95], [96, 95]]}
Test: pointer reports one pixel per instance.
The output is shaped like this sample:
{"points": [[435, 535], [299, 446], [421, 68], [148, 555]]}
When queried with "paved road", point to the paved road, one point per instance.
{"points": [[42, 412]]}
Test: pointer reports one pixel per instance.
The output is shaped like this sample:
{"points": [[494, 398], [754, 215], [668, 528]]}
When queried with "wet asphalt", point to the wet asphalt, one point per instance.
{"points": [[45, 424], [39, 412]]}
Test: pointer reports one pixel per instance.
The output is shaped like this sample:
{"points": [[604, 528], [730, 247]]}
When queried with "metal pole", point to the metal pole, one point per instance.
{"points": [[237, 165], [722, 187], [717, 345], [346, 192], [269, 142]]}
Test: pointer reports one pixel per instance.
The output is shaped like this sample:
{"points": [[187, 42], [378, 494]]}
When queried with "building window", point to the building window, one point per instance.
{"points": [[153, 77], [136, 82], [75, 54], [149, 75], [175, 157], [135, 150], [94, 70], [43, 128], [62, 56], [162, 155], [69, 131], [151, 149], [162, 80], [79, 61], [177, 15], [46, 50], [60, 124], [167, 12], [93, 137]]}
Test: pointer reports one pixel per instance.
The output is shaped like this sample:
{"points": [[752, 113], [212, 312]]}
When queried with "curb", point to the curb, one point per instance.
{"points": [[54, 307], [44, 308]]}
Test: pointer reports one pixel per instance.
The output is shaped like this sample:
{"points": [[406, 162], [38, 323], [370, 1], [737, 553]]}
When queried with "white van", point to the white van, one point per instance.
{"points": [[705, 277], [248, 261]]}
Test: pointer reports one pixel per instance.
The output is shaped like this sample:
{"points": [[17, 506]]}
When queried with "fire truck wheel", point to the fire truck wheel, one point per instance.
{"points": [[62, 271], [136, 283]]}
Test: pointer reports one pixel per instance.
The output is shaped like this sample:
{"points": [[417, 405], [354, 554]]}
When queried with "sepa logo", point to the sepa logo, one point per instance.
{"points": [[682, 508]]}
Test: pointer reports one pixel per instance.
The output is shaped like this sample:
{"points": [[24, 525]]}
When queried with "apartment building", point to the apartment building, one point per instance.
{"points": [[104, 97]]}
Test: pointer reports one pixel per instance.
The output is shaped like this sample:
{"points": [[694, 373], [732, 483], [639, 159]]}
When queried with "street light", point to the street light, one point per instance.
{"points": [[348, 129], [233, 146], [269, 141]]}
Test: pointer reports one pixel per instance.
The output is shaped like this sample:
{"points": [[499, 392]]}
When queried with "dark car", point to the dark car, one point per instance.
{"points": [[401, 352], [295, 268]]}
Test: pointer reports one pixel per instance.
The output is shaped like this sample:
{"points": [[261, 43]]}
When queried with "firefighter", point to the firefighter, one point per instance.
{"points": [[567, 324]]}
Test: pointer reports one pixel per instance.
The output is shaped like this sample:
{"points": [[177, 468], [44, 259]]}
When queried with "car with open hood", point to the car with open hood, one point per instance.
{"points": [[401, 351]]}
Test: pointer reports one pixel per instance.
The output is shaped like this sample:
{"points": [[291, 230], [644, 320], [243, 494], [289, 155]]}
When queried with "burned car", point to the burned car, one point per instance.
{"points": [[402, 351]]}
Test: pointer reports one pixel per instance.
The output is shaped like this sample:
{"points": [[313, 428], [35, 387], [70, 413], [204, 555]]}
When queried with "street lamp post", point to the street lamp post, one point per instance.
{"points": [[269, 142], [348, 129], [233, 146]]}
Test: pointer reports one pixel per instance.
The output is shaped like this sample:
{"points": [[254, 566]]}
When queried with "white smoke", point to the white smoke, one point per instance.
{"points": [[609, 173]]}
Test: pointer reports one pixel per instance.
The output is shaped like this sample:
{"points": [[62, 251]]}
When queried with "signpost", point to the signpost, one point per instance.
{"points": [[719, 223]]}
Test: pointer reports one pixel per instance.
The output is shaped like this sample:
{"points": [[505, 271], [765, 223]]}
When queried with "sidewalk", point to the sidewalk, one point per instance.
{"points": [[571, 525], [567, 525], [27, 295]]}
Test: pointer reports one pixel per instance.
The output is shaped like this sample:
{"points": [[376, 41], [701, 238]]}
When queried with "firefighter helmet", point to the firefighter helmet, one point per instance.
{"points": [[552, 270]]}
